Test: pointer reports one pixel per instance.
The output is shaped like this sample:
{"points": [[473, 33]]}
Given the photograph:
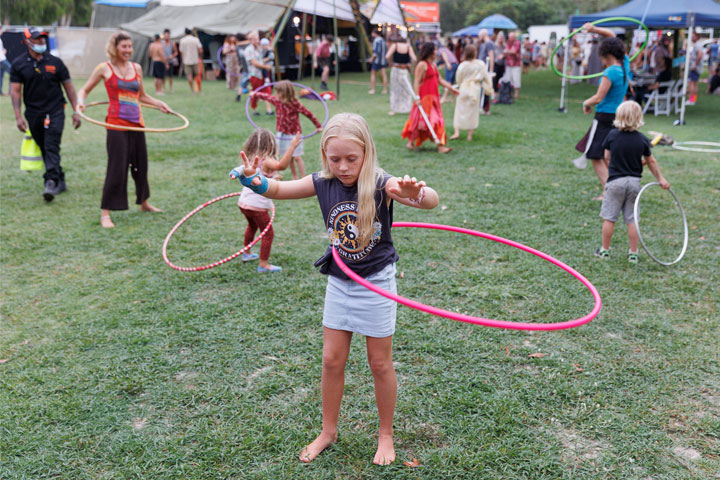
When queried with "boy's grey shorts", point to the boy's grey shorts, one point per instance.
{"points": [[620, 194]]}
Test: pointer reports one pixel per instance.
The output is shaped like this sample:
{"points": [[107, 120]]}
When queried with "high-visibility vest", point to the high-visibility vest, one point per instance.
{"points": [[30, 154]]}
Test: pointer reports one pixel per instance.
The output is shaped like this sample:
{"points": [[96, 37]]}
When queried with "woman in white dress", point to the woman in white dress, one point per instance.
{"points": [[471, 76], [400, 57]]}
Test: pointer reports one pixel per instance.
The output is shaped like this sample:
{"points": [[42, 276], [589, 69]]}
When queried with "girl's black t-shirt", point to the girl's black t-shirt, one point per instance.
{"points": [[626, 152], [338, 204]]}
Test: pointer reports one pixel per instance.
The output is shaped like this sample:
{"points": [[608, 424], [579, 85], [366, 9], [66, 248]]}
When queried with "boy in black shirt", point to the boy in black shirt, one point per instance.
{"points": [[627, 150]]}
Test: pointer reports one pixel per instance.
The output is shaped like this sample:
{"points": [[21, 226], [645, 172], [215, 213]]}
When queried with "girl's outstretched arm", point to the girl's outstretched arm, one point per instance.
{"points": [[412, 193], [250, 176]]}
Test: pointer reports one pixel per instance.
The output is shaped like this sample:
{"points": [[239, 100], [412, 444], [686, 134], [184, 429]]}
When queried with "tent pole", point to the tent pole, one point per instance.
{"points": [[686, 73], [302, 47], [563, 89], [278, 34], [281, 27], [337, 53], [312, 70]]}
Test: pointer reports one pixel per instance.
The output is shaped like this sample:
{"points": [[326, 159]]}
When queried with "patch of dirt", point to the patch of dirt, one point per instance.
{"points": [[578, 449], [687, 453], [185, 376], [139, 423]]}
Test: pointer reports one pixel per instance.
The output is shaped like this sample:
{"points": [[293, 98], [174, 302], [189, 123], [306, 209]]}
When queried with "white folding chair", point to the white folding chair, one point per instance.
{"points": [[661, 102], [677, 96]]}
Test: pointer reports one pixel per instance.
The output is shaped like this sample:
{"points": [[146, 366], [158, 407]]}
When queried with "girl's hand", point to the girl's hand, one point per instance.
{"points": [[297, 140], [164, 107], [80, 106], [407, 187], [664, 184], [588, 27], [248, 169], [586, 108]]}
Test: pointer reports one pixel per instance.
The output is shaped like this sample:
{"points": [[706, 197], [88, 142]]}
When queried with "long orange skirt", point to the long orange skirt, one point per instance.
{"points": [[416, 129]]}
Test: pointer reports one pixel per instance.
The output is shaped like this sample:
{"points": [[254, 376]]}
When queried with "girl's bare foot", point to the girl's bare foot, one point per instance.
{"points": [[146, 207], [385, 454], [106, 222], [444, 149], [412, 147], [469, 138], [455, 136], [323, 441]]}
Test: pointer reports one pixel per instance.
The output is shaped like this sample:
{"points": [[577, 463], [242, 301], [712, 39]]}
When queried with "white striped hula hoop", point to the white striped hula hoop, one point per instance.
{"points": [[226, 259], [684, 146], [636, 212]]}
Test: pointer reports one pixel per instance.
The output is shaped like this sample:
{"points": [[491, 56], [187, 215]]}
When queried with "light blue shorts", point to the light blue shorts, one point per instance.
{"points": [[283, 140], [351, 307]]}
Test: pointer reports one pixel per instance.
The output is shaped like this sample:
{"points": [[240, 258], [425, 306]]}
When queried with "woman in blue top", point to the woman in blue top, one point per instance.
{"points": [[610, 94]]}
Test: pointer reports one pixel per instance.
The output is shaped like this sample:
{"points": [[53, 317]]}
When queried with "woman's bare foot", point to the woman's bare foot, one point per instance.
{"points": [[444, 149], [385, 454], [469, 138], [323, 441], [455, 136], [106, 222], [412, 147], [146, 207]]}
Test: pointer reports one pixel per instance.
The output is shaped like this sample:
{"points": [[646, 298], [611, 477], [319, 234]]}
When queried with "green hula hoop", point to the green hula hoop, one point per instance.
{"points": [[602, 20]]}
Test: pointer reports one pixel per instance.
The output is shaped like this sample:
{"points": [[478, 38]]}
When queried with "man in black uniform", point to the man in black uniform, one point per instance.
{"points": [[38, 75]]}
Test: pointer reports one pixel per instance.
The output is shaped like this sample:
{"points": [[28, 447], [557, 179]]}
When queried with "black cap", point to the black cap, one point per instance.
{"points": [[33, 32]]}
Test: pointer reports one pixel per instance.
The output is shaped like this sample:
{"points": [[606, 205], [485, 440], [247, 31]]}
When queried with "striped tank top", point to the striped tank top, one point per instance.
{"points": [[123, 95]]}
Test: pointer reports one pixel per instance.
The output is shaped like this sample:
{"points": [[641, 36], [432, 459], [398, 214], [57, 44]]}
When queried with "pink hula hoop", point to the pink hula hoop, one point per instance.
{"points": [[226, 259], [478, 320]]}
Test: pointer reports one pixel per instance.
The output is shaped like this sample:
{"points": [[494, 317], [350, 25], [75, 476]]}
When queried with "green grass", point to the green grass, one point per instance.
{"points": [[119, 367]]}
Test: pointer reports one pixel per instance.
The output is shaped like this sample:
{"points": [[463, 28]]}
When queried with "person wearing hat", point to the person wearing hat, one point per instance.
{"points": [[38, 76]]}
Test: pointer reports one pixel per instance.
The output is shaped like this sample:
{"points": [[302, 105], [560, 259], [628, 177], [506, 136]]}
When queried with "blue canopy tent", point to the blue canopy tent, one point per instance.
{"points": [[471, 31], [660, 14], [497, 21]]}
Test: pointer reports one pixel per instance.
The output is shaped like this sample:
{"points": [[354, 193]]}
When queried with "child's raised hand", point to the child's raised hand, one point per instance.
{"points": [[407, 187], [296, 140], [247, 170]]}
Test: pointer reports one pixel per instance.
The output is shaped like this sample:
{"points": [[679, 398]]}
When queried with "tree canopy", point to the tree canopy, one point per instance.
{"points": [[46, 12]]}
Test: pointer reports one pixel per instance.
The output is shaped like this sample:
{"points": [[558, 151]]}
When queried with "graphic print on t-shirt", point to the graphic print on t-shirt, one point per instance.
{"points": [[129, 108], [344, 234]]}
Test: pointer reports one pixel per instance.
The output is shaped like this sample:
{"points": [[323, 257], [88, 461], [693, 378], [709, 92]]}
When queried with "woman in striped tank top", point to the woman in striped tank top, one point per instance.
{"points": [[126, 149]]}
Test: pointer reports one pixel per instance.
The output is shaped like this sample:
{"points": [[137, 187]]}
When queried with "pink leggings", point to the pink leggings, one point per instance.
{"points": [[258, 220]]}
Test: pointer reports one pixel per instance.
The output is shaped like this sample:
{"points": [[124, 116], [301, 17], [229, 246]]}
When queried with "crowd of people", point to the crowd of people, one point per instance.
{"points": [[355, 195]]}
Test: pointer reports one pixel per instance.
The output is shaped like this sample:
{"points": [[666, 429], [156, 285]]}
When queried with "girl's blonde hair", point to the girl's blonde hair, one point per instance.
{"points": [[285, 91], [112, 43], [261, 143], [628, 116], [351, 126]]}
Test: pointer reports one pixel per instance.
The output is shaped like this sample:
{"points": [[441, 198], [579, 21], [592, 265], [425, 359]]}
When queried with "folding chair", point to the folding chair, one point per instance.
{"points": [[662, 101], [677, 96]]}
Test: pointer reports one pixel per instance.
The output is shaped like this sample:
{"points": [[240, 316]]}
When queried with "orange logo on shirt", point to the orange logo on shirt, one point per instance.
{"points": [[50, 68]]}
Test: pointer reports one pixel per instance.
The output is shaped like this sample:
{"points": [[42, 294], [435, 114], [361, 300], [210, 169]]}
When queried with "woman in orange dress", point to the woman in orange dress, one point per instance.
{"points": [[426, 87]]}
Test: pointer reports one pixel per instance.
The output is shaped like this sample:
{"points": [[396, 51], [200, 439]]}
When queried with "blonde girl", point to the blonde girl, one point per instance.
{"points": [[288, 109], [261, 144], [356, 199]]}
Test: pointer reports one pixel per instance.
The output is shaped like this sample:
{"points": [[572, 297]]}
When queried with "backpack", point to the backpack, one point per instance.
{"points": [[505, 93]]}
